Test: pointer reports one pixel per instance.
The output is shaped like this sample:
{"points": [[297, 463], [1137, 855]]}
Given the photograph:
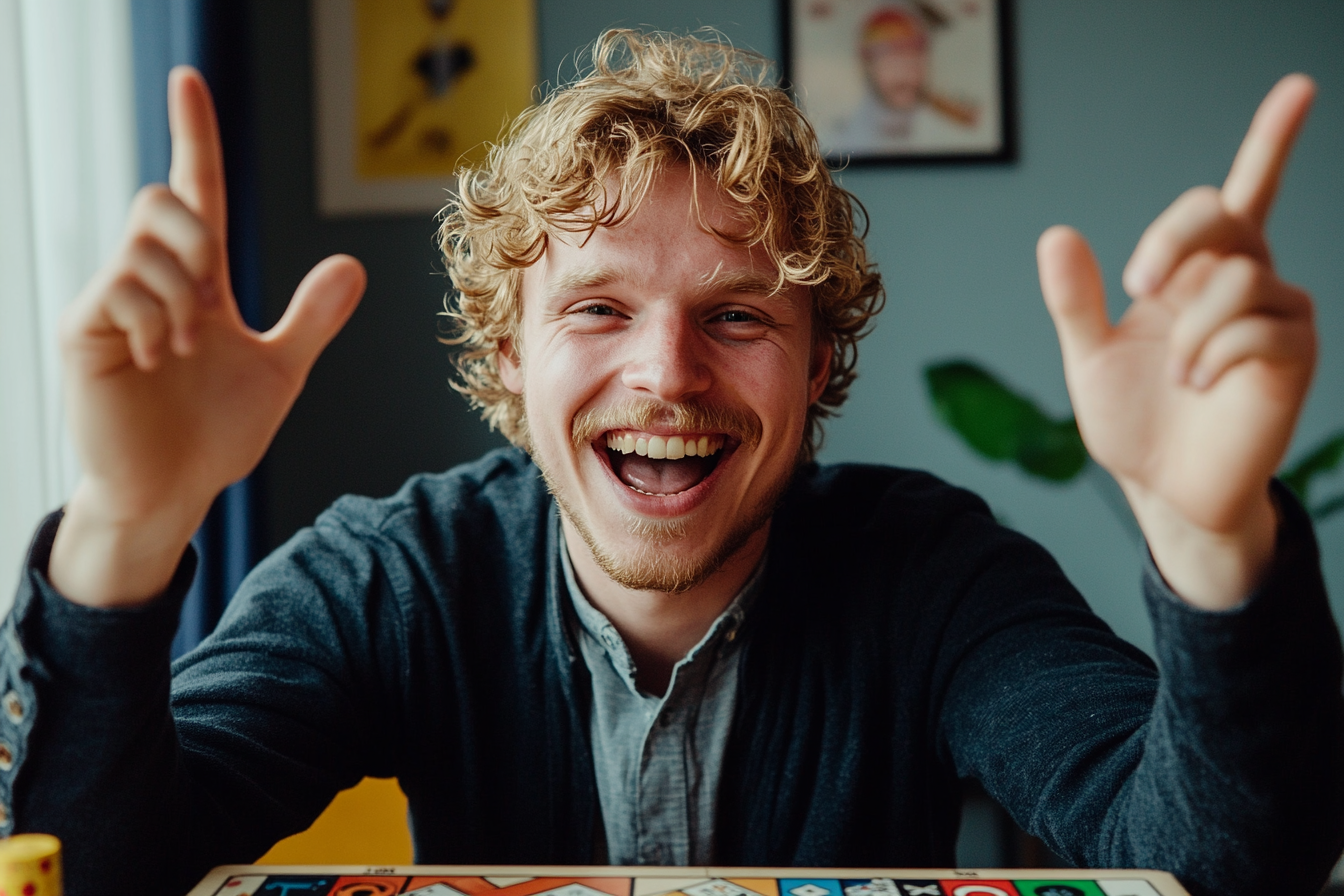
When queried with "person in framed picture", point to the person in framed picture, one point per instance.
{"points": [[900, 109], [655, 631]]}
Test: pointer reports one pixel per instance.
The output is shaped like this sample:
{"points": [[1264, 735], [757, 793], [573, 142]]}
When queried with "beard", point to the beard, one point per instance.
{"points": [[656, 562]]}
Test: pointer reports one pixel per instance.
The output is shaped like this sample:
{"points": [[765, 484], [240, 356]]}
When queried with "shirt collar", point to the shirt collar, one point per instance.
{"points": [[596, 623]]}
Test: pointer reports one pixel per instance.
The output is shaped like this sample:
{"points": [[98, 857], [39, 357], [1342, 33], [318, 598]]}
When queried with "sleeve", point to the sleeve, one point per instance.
{"points": [[210, 762], [1226, 769]]}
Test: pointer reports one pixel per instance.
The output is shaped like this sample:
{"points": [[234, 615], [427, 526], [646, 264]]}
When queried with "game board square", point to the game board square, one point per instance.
{"points": [[241, 885], [1127, 888], [438, 888], [877, 886], [1058, 888], [978, 888], [368, 886], [919, 888], [717, 887], [297, 885]]}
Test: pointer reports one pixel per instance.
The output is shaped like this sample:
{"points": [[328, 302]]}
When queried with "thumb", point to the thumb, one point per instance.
{"points": [[1073, 291], [321, 305]]}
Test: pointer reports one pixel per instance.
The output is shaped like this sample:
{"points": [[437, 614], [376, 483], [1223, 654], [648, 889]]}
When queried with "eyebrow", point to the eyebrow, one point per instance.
{"points": [[716, 281], [583, 278], [747, 281]]}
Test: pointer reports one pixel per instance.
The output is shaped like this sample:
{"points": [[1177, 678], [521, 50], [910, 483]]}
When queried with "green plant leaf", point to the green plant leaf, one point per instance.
{"points": [[1056, 453], [1324, 458], [1000, 424]]}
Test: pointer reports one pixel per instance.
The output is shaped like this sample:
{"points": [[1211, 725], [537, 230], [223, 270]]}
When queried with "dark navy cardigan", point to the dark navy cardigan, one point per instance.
{"points": [[902, 640]]}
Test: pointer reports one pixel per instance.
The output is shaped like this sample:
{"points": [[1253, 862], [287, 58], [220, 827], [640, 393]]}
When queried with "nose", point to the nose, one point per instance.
{"points": [[667, 359]]}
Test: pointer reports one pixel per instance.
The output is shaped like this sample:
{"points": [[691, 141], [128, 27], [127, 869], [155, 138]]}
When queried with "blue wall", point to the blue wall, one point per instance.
{"points": [[1122, 106]]}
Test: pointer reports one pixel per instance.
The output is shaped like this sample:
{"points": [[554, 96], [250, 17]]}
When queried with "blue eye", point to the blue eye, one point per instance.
{"points": [[598, 309], [737, 317]]}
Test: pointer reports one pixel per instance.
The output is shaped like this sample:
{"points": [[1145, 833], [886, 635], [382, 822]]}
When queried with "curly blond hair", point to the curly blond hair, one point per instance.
{"points": [[585, 156]]}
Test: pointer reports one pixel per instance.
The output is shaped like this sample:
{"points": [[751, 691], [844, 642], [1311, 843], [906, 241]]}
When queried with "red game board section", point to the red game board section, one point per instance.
{"points": [[978, 888], [479, 886], [367, 886]]}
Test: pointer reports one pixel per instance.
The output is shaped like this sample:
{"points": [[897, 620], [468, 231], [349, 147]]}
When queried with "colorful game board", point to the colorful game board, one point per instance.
{"points": [[264, 880]]}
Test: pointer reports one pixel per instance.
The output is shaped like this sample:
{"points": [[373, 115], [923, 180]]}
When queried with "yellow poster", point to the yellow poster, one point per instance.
{"points": [[435, 80]]}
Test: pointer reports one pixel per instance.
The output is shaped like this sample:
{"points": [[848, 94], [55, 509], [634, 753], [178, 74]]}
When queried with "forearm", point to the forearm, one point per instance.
{"points": [[103, 556], [1212, 569], [249, 747], [1240, 786], [98, 755], [1227, 769]]}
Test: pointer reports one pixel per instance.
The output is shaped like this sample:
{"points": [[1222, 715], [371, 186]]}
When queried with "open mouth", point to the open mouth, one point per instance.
{"points": [[660, 465]]}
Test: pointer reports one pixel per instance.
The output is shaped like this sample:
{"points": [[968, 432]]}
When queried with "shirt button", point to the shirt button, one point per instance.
{"points": [[14, 707], [6, 757]]}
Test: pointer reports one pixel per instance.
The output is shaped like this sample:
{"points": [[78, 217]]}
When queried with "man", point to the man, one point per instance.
{"points": [[722, 654]]}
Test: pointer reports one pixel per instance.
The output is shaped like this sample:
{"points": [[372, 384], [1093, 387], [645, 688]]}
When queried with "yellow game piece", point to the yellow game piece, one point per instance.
{"points": [[30, 865]]}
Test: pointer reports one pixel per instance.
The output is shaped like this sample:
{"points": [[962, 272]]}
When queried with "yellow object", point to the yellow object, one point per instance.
{"points": [[30, 865], [365, 825], [431, 89]]}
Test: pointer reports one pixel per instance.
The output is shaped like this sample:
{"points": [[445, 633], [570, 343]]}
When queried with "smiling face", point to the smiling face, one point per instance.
{"points": [[897, 73], [666, 386]]}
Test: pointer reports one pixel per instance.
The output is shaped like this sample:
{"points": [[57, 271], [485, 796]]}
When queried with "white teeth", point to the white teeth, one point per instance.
{"points": [[664, 447]]}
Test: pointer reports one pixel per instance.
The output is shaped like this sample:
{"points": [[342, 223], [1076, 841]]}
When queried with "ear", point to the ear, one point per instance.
{"points": [[820, 374], [510, 367]]}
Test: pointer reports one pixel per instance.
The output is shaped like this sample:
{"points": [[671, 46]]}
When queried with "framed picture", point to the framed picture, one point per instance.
{"points": [[903, 80], [408, 91]]}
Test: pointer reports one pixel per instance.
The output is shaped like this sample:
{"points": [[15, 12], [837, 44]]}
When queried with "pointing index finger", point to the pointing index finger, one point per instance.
{"points": [[1254, 179], [196, 175]]}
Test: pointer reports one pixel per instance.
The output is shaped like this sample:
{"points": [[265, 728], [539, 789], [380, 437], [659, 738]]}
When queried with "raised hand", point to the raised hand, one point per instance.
{"points": [[1190, 400], [169, 394]]}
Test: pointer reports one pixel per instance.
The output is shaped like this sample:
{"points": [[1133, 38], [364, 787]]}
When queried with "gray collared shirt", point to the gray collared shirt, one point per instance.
{"points": [[658, 759]]}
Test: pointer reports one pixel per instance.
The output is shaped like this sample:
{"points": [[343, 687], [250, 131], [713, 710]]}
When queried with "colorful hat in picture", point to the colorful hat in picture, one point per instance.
{"points": [[894, 26]]}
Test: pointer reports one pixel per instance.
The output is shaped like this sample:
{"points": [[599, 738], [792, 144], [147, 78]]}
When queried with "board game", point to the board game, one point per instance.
{"points": [[441, 880]]}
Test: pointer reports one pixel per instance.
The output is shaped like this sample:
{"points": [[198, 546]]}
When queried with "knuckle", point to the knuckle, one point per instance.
{"points": [[124, 283], [142, 247], [128, 303], [1193, 207], [149, 199], [1244, 274], [1187, 334], [1203, 198], [152, 194]]}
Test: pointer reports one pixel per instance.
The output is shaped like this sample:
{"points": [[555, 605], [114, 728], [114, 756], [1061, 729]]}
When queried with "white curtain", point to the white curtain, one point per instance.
{"points": [[67, 174]]}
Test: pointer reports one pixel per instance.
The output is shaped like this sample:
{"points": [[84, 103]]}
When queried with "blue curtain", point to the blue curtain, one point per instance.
{"points": [[212, 35]]}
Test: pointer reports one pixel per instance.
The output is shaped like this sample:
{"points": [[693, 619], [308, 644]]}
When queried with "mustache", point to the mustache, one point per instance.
{"points": [[684, 417]]}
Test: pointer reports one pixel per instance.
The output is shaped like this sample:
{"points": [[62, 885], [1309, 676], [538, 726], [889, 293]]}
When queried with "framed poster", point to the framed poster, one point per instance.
{"points": [[408, 91], [903, 80]]}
